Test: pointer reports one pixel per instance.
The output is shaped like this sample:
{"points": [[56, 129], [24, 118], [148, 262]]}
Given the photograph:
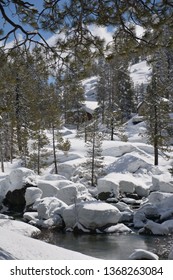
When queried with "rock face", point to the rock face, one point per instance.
{"points": [[15, 200], [91, 215]]}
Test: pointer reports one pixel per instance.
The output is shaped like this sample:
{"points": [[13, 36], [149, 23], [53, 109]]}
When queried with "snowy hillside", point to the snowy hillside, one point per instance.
{"points": [[140, 72], [67, 201]]}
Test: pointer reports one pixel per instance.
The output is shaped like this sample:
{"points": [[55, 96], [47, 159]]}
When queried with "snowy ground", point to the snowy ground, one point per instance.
{"points": [[128, 168]]}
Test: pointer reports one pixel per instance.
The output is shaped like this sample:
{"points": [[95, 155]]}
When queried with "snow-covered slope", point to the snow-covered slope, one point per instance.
{"points": [[140, 72]]}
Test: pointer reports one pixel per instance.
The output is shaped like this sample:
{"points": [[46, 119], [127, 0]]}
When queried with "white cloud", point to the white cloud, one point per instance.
{"points": [[102, 32]]}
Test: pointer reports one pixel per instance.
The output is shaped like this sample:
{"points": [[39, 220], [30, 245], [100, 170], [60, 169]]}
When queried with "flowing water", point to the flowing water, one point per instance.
{"points": [[109, 246]]}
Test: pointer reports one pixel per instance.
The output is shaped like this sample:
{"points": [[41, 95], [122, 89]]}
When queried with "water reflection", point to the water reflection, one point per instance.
{"points": [[109, 246]]}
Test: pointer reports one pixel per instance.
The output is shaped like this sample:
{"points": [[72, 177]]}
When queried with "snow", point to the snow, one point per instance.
{"points": [[91, 215], [140, 72], [66, 197], [141, 254], [19, 227], [20, 247], [32, 194], [47, 206], [18, 178]]}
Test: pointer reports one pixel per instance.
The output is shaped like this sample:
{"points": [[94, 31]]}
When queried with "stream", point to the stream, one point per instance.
{"points": [[109, 246]]}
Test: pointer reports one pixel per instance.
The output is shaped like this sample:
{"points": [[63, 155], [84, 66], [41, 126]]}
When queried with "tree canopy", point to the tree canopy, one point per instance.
{"points": [[70, 19]]}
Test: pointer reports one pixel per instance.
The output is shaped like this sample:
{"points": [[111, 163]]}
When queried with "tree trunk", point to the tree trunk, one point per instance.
{"points": [[1, 154], [38, 156], [156, 155], [156, 149], [54, 150], [112, 129], [18, 115], [93, 158]]}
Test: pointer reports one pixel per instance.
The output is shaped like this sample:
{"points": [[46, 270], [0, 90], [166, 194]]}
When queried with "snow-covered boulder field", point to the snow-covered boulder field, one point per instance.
{"points": [[155, 216]]}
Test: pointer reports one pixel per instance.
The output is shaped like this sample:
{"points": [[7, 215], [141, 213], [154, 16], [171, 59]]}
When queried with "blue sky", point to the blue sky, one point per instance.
{"points": [[103, 32]]}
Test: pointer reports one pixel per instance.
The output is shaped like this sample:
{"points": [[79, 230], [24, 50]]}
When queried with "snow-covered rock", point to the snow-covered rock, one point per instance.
{"points": [[161, 198], [26, 248], [73, 193], [54, 221], [20, 177], [123, 207], [139, 219], [119, 150], [169, 225], [146, 211], [48, 206], [108, 185], [154, 228], [127, 187], [129, 163], [142, 191], [19, 227], [141, 254], [32, 194], [162, 183], [48, 188], [30, 216], [52, 177], [63, 183], [126, 217], [68, 168], [91, 215], [119, 228]]}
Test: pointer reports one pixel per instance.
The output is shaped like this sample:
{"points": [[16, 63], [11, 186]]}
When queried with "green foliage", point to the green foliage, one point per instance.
{"points": [[94, 162], [64, 145]]}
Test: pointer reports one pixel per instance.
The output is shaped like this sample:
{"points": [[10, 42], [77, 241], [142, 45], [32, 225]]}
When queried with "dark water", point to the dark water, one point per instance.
{"points": [[109, 246]]}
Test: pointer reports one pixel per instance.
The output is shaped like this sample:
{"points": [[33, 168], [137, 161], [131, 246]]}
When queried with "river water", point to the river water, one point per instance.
{"points": [[109, 246]]}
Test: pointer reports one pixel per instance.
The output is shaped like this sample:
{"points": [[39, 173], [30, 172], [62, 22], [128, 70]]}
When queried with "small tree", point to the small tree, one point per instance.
{"points": [[94, 162], [64, 145], [39, 154]]}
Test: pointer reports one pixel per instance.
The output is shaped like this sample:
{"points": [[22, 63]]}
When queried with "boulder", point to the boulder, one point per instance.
{"points": [[142, 191], [31, 195], [73, 193], [16, 184], [50, 206], [109, 186], [126, 186], [154, 228], [119, 228], [48, 188], [162, 183], [91, 215], [19, 227], [20, 178], [141, 254], [139, 219], [15, 200]]}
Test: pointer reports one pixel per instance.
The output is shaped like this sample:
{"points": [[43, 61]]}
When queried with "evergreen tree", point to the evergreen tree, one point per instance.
{"points": [[94, 162], [157, 112]]}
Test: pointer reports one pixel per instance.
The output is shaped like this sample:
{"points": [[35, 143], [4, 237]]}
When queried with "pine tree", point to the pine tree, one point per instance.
{"points": [[94, 162], [157, 116]]}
